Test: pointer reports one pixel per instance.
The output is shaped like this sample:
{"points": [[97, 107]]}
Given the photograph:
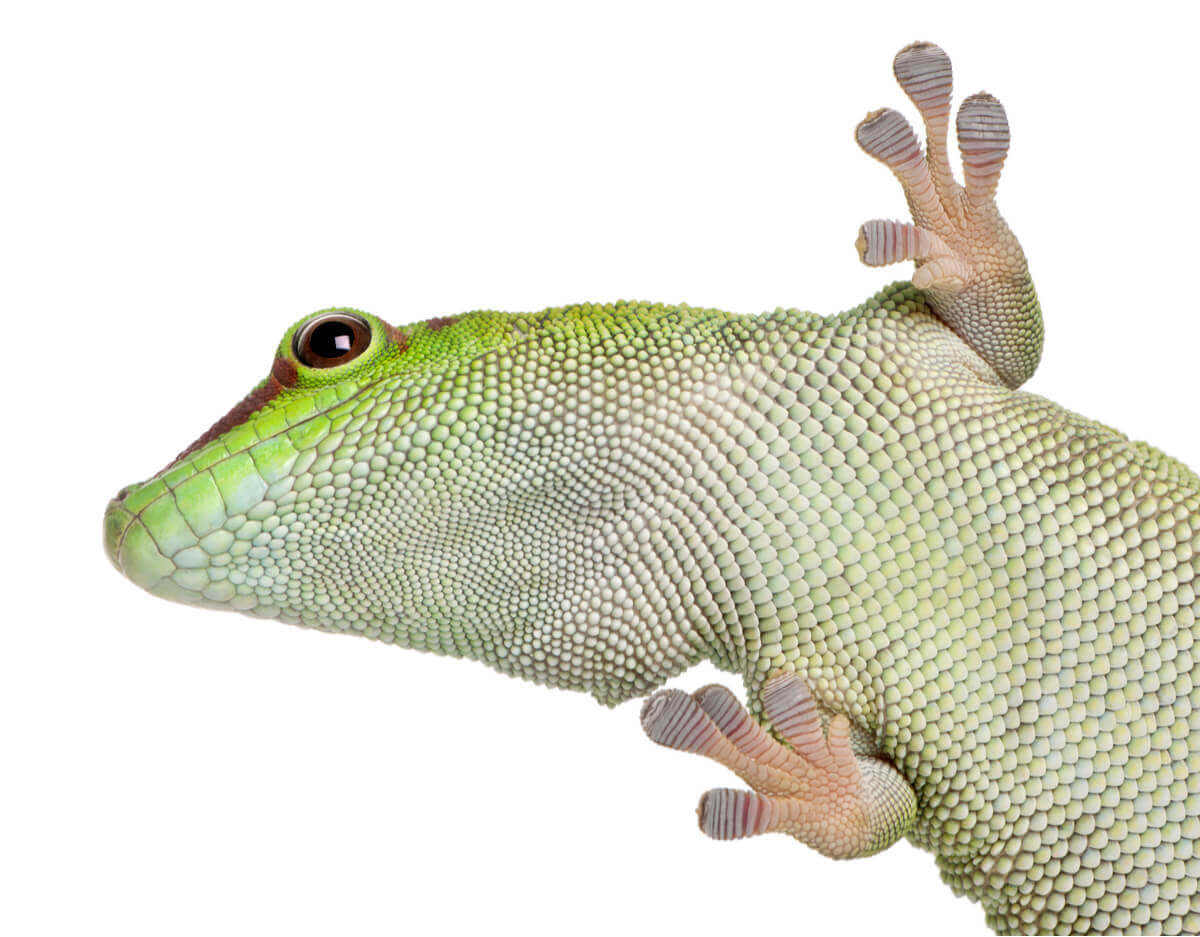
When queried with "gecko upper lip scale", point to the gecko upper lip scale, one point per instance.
{"points": [[963, 614]]}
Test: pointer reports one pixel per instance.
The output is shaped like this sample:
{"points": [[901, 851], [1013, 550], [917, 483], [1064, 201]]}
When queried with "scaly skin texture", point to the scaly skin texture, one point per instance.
{"points": [[990, 600]]}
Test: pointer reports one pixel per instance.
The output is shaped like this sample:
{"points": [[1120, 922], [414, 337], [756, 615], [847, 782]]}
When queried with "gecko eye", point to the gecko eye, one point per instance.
{"points": [[332, 339]]}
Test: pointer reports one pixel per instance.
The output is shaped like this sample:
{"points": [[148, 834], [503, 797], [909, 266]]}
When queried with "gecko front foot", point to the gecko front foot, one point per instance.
{"points": [[814, 788], [969, 264]]}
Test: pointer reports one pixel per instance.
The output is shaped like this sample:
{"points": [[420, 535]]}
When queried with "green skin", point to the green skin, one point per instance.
{"points": [[998, 593]]}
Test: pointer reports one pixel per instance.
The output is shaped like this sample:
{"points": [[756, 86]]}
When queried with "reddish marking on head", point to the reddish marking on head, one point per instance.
{"points": [[283, 375], [437, 323], [396, 337], [284, 371]]}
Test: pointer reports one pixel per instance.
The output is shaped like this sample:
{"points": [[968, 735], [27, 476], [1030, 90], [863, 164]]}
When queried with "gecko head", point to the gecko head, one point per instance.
{"points": [[430, 487], [215, 526]]}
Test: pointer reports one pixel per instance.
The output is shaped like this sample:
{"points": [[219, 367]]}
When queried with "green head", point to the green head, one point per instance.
{"points": [[212, 528], [484, 486]]}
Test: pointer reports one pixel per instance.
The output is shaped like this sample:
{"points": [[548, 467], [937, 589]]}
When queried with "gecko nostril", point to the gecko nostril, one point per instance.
{"points": [[120, 495]]}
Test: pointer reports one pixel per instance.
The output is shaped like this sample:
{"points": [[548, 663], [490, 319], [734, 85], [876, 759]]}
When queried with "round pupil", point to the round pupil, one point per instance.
{"points": [[331, 339]]}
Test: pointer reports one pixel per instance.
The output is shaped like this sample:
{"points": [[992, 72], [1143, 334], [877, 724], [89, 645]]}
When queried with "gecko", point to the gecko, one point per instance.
{"points": [[962, 614]]}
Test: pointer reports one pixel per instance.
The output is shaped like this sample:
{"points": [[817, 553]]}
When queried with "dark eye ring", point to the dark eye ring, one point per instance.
{"points": [[329, 340]]}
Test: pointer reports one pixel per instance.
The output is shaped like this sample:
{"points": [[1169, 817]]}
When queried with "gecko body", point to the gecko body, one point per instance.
{"points": [[964, 613]]}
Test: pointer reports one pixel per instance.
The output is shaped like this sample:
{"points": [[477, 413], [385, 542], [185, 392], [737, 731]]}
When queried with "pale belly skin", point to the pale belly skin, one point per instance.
{"points": [[997, 593]]}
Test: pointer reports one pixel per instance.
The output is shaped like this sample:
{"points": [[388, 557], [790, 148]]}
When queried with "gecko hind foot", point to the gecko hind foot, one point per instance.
{"points": [[968, 261], [813, 787]]}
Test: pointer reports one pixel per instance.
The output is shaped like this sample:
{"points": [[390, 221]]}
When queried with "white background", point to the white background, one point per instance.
{"points": [[181, 182]]}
